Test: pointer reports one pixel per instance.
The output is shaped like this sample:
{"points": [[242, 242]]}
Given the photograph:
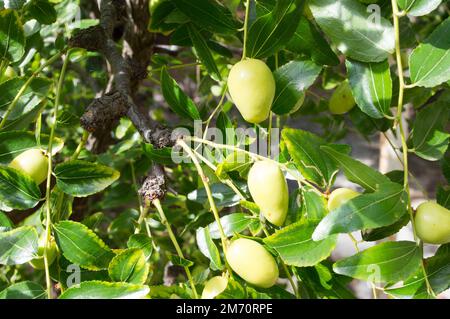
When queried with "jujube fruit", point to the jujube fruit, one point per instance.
{"points": [[38, 262], [252, 262], [252, 88], [214, 287], [33, 163], [433, 223], [269, 190], [340, 196], [342, 100]]}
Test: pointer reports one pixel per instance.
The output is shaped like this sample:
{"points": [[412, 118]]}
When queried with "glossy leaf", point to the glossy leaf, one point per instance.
{"points": [[356, 34], [23, 290], [430, 136], [81, 178], [296, 247], [232, 223], [355, 171], [42, 10], [430, 61], [17, 190], [418, 7], [381, 208], [208, 247], [18, 246], [129, 266], [105, 290], [292, 80], [82, 246], [142, 242], [223, 195], [12, 37], [371, 86], [5, 223], [158, 155], [386, 262], [179, 102]]}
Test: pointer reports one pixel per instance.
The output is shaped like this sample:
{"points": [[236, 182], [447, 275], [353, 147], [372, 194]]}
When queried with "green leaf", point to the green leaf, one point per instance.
{"points": [[167, 292], [292, 80], [142, 242], [14, 143], [269, 33], [203, 52], [309, 41], [314, 204], [105, 290], [430, 62], [5, 223], [81, 178], [312, 163], [418, 7], [223, 195], [30, 99], [233, 223], [23, 290], [179, 102], [386, 262], [208, 247], [82, 246], [386, 231], [12, 37], [234, 162], [179, 261], [43, 11], [18, 246], [158, 155], [208, 14], [371, 86], [381, 208], [430, 136], [17, 190], [355, 171], [351, 27], [296, 247], [129, 266]]}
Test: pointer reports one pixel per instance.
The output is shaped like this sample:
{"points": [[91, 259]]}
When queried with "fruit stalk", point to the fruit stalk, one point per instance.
{"points": [[166, 223], [247, 10], [49, 174]]}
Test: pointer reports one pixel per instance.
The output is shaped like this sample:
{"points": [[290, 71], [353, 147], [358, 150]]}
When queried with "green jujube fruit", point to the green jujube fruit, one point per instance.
{"points": [[432, 223], [269, 190], [252, 88], [32, 162], [342, 100], [339, 196], [252, 262], [214, 287], [38, 262]]}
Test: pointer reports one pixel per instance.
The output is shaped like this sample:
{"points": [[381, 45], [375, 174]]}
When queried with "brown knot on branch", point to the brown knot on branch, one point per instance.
{"points": [[161, 137], [91, 39], [104, 111], [154, 186]]}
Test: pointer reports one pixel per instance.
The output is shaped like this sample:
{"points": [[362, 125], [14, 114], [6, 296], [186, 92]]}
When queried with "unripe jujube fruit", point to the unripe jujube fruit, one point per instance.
{"points": [[214, 287], [252, 262], [269, 189], [38, 262], [252, 88], [342, 99], [340, 196], [32, 162], [433, 223]]}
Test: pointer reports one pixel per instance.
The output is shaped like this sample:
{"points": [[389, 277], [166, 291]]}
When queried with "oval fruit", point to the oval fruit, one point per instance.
{"points": [[8, 74], [252, 262], [340, 196], [252, 88], [342, 99], [433, 223], [269, 189], [214, 287], [38, 262], [33, 163]]}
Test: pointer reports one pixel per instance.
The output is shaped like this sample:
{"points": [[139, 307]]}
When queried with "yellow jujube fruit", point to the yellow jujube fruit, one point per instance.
{"points": [[38, 262], [252, 88], [214, 287], [342, 99], [252, 262], [433, 223], [340, 196], [32, 162], [269, 189]]}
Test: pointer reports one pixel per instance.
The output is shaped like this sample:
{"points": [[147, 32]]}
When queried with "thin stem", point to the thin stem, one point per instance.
{"points": [[80, 146], [403, 135], [247, 10], [25, 86], [174, 67], [166, 223], [269, 134], [355, 242], [3, 65], [291, 280], [217, 109], [143, 210], [49, 175]]}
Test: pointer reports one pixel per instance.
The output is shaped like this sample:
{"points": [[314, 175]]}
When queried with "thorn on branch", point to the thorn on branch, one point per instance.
{"points": [[104, 111], [154, 186]]}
